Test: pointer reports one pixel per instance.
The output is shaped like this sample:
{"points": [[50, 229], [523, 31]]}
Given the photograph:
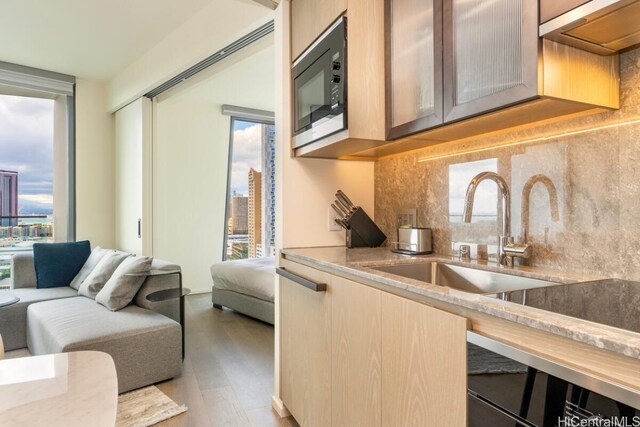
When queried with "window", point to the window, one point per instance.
{"points": [[36, 160], [486, 197], [250, 216]]}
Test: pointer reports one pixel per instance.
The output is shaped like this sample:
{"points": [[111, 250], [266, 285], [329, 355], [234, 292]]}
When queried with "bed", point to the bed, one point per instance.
{"points": [[246, 286]]}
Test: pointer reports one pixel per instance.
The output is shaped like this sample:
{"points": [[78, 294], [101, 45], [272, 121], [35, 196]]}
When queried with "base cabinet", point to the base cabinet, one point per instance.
{"points": [[305, 345], [358, 356], [424, 366]]}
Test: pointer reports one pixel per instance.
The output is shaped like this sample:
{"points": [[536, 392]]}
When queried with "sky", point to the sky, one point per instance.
{"points": [[486, 197], [247, 153], [26, 146]]}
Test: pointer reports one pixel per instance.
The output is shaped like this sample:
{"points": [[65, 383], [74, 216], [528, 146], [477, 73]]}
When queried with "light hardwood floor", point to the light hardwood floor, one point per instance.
{"points": [[227, 378]]}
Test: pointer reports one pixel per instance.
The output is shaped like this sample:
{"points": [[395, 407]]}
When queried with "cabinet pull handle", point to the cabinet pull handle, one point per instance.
{"points": [[316, 287], [139, 228]]}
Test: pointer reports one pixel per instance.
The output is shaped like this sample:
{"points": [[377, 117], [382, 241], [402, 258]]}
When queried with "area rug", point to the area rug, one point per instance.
{"points": [[481, 361], [146, 407]]}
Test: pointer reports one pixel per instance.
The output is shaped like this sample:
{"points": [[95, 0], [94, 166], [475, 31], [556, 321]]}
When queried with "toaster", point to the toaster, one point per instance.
{"points": [[413, 241]]}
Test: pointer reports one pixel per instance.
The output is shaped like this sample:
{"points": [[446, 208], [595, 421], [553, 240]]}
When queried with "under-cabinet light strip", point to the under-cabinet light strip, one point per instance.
{"points": [[529, 141]]}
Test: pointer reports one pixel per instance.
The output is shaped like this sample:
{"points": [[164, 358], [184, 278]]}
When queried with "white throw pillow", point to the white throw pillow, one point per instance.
{"points": [[120, 289], [101, 274], [96, 255]]}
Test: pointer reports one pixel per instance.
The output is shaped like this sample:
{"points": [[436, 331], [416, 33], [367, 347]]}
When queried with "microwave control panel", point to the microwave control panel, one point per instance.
{"points": [[336, 78]]}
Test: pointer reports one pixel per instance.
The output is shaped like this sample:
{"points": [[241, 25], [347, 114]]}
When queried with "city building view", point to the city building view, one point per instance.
{"points": [[251, 206], [254, 217], [26, 176]]}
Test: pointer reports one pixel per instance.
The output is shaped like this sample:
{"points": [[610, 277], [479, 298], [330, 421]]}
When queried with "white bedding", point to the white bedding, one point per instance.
{"points": [[254, 276]]}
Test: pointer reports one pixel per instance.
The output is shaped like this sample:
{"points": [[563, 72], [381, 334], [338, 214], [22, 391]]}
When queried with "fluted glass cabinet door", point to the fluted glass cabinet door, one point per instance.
{"points": [[491, 55], [414, 65]]}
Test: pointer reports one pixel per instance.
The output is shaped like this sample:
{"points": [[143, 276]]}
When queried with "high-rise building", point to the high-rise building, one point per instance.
{"points": [[269, 188], [8, 197], [254, 211], [239, 214], [239, 250]]}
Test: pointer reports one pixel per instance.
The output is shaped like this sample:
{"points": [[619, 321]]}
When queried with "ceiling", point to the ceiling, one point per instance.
{"points": [[93, 39]]}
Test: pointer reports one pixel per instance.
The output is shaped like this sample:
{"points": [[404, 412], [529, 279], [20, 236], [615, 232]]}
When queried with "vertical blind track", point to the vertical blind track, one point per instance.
{"points": [[223, 53]]}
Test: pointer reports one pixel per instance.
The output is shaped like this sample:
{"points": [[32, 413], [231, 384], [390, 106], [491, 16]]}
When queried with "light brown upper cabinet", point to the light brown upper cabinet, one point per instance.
{"points": [[413, 40], [456, 69], [365, 88], [309, 19]]}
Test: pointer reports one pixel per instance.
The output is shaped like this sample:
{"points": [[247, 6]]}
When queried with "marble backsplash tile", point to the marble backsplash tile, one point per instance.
{"points": [[583, 207]]}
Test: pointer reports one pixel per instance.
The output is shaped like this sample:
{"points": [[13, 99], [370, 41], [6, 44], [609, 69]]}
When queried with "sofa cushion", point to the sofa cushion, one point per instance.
{"points": [[101, 274], [23, 272], [13, 318], [145, 346], [96, 255], [57, 264], [118, 292]]}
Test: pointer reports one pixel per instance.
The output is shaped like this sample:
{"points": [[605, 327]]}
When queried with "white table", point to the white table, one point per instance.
{"points": [[67, 389]]}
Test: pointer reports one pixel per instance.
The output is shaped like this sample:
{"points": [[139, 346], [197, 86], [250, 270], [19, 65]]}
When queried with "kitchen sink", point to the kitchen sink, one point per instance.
{"points": [[463, 278]]}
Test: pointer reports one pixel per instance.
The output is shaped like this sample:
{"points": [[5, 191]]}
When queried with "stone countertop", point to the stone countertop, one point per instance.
{"points": [[355, 263]]}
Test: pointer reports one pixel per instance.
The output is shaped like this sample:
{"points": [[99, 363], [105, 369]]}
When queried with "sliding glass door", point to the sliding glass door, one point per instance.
{"points": [[191, 161]]}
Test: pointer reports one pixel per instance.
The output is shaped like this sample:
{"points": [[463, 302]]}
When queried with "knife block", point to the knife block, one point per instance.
{"points": [[363, 232]]}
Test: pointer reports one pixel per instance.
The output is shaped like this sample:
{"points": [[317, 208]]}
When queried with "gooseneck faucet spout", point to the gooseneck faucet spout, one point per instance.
{"points": [[506, 248], [504, 192]]}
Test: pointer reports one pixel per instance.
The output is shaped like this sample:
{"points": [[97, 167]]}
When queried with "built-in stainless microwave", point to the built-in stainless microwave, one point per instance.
{"points": [[319, 87]]}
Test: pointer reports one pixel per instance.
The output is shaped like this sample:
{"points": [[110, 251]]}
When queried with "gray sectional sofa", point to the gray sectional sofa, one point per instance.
{"points": [[143, 338]]}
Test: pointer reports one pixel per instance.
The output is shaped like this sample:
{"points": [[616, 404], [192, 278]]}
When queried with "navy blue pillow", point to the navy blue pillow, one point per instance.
{"points": [[58, 263]]}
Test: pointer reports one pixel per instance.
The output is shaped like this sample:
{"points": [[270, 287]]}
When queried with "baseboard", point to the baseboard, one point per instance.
{"points": [[279, 407]]}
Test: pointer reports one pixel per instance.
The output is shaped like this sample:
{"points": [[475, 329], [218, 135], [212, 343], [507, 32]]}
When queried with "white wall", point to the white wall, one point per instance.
{"points": [[132, 151], [94, 165], [191, 143], [211, 29]]}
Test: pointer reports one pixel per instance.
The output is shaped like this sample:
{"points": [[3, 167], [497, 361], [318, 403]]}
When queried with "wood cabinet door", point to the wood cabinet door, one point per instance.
{"points": [[309, 19], [414, 65], [424, 366], [356, 395], [305, 348], [490, 55]]}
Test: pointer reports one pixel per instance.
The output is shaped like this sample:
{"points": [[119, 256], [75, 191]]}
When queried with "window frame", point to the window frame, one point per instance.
{"points": [[35, 81], [244, 115]]}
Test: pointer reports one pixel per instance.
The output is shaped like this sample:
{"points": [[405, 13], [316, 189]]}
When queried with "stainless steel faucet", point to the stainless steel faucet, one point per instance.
{"points": [[526, 196], [507, 249]]}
